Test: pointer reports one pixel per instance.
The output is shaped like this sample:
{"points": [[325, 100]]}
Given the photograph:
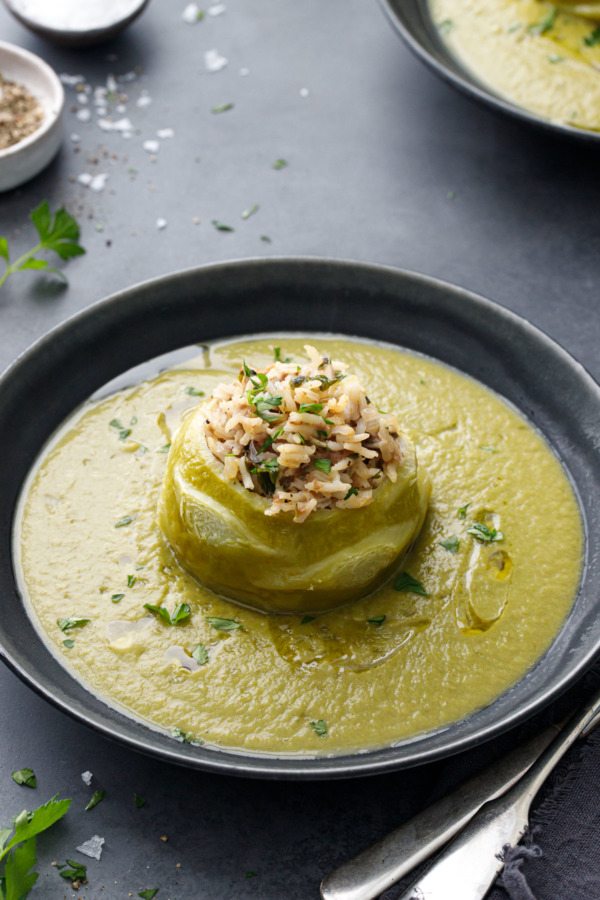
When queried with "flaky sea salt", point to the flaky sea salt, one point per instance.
{"points": [[151, 146], [93, 847], [161, 223], [86, 777], [244, 72], [71, 80], [82, 98], [217, 9], [94, 182], [190, 14], [213, 61], [122, 125], [84, 115], [165, 133], [144, 100], [75, 138], [304, 92]]}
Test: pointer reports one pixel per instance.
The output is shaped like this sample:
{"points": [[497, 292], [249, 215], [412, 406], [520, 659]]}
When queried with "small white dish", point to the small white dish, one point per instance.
{"points": [[72, 23], [23, 160]]}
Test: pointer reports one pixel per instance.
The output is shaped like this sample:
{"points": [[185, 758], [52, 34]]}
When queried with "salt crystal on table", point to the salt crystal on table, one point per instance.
{"points": [[98, 182], [121, 108], [86, 777], [144, 100], [217, 10], [122, 125], [304, 92], [84, 115], [127, 76], [93, 847], [81, 98], [244, 72], [161, 223], [111, 84], [190, 14], [75, 138], [86, 179], [151, 146], [165, 133], [213, 61], [71, 80]]}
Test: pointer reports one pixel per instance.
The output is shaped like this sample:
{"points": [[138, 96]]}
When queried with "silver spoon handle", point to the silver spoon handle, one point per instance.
{"points": [[379, 867]]}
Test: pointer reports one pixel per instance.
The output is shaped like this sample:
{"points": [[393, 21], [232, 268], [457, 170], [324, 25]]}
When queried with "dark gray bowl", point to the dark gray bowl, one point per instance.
{"points": [[474, 335], [412, 21]]}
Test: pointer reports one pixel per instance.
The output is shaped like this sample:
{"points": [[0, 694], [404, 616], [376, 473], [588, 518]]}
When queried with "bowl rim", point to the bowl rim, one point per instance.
{"points": [[51, 116], [467, 83], [362, 762]]}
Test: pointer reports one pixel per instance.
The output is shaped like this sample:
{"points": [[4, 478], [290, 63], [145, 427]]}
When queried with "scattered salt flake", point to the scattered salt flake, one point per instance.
{"points": [[75, 138], [216, 10], [82, 98], [86, 777], [151, 146], [213, 61], [120, 108], [84, 115], [85, 178], [304, 92], [100, 96], [93, 847], [126, 77], [111, 84], [165, 133], [101, 111], [98, 182], [161, 223], [190, 14], [144, 100], [71, 80], [244, 72], [122, 125]]}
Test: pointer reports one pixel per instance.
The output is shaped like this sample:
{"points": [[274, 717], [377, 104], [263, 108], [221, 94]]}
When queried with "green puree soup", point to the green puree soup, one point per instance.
{"points": [[474, 604], [541, 56]]}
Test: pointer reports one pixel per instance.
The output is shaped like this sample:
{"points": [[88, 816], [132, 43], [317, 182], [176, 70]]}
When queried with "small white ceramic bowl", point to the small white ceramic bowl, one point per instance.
{"points": [[25, 159]]}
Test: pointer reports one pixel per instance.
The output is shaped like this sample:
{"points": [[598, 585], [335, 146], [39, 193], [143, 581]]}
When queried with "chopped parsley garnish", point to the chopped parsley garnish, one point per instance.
{"points": [[266, 239], [180, 735], [278, 357], [96, 798], [182, 611], [77, 872], [405, 582], [329, 422], [323, 464], [193, 392], [69, 644], [123, 432], [377, 620], [484, 534], [152, 892], [116, 597], [223, 624], [263, 404], [220, 226], [555, 58], [487, 448], [280, 163], [593, 38], [269, 440], [223, 107], [25, 777], [310, 408], [351, 493], [165, 448], [328, 382], [250, 874], [126, 520], [250, 211], [546, 23], [462, 512], [200, 654], [70, 622], [131, 580], [322, 433], [139, 801], [451, 544], [319, 727], [307, 619], [297, 380], [446, 26]]}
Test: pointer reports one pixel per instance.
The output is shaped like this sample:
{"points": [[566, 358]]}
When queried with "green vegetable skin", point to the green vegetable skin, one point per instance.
{"points": [[221, 534]]}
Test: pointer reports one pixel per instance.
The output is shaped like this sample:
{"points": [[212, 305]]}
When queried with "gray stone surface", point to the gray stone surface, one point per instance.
{"points": [[386, 164]]}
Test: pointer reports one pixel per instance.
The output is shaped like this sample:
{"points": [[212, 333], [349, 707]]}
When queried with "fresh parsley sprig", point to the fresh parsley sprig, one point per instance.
{"points": [[58, 233], [18, 849]]}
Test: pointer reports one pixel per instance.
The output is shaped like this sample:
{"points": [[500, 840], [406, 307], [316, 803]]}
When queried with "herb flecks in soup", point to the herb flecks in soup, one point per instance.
{"points": [[475, 603], [541, 56]]}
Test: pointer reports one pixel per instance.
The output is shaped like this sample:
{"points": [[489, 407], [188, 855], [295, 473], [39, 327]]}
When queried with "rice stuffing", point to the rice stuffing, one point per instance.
{"points": [[307, 436]]}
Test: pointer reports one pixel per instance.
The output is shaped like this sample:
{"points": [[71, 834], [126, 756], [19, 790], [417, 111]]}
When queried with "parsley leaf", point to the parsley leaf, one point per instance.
{"points": [[70, 622], [223, 624], [181, 612], [126, 520], [116, 597], [131, 580], [280, 163], [250, 211], [307, 619], [593, 38], [351, 492], [149, 894], [223, 107], [323, 464], [451, 544], [193, 392], [377, 620], [220, 226], [58, 233], [462, 512], [139, 801], [17, 879], [200, 654], [69, 643], [310, 408], [263, 403], [77, 872], [24, 776], [96, 798], [319, 727], [544, 24], [484, 534], [405, 582], [270, 440], [123, 432], [278, 357]]}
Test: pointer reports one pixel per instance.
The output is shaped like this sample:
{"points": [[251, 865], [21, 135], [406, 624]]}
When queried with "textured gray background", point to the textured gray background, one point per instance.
{"points": [[386, 164]]}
